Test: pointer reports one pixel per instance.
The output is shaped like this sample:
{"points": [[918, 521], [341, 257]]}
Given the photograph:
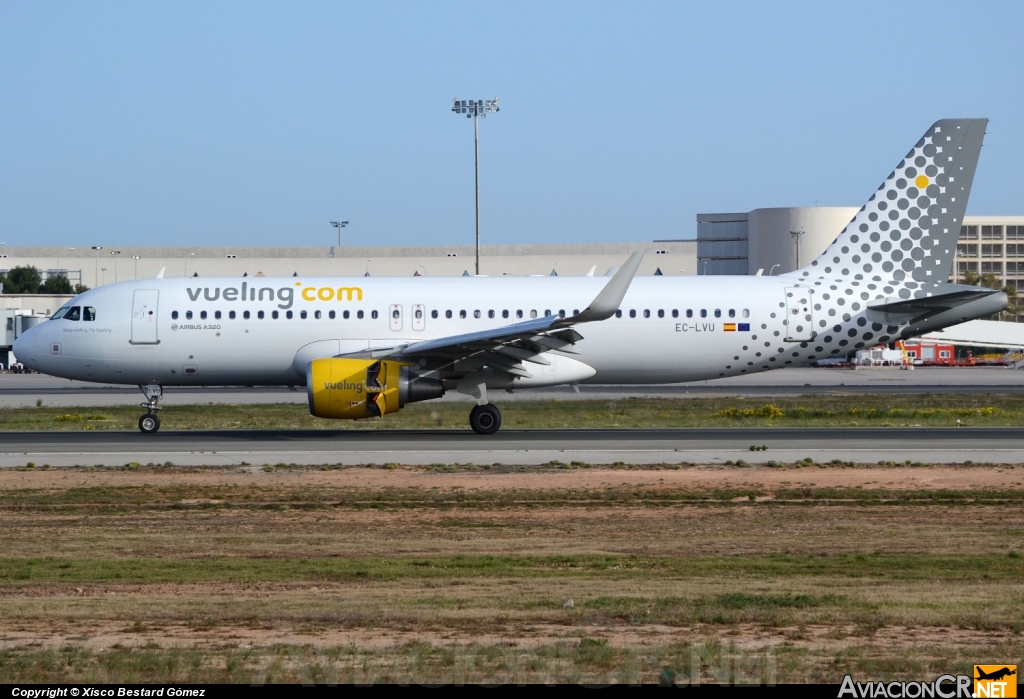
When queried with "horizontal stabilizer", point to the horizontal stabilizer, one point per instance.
{"points": [[936, 303]]}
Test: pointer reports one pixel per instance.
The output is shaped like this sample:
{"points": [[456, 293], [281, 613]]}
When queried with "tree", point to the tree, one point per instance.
{"points": [[56, 284], [23, 280], [991, 281]]}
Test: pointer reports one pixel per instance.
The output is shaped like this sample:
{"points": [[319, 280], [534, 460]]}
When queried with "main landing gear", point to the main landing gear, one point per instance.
{"points": [[485, 419], [150, 422]]}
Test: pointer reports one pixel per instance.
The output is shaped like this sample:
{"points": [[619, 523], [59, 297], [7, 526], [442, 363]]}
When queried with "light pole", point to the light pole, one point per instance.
{"points": [[104, 270], [477, 109], [773, 269], [339, 225], [136, 258], [797, 237], [96, 276], [114, 254]]}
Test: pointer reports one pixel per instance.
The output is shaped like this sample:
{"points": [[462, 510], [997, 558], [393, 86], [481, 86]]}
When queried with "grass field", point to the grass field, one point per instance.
{"points": [[811, 411], [457, 574]]}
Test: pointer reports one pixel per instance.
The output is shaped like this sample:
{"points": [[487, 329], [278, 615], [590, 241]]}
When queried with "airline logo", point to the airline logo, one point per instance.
{"points": [[286, 294], [733, 327], [344, 386], [995, 681]]}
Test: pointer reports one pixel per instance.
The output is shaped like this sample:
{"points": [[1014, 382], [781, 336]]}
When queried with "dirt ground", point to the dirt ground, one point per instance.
{"points": [[899, 477], [386, 562]]}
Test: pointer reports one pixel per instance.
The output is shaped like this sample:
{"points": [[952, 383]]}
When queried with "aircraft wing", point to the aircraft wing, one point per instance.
{"points": [[981, 333], [506, 348]]}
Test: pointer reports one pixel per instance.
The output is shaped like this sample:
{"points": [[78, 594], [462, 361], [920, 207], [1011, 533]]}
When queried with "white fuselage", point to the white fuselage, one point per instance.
{"points": [[177, 332]]}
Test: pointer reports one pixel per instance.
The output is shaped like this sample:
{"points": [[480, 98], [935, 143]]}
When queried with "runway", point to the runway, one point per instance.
{"points": [[21, 390], [606, 446]]}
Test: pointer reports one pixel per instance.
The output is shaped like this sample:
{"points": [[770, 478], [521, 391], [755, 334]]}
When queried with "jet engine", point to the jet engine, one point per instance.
{"points": [[359, 388]]}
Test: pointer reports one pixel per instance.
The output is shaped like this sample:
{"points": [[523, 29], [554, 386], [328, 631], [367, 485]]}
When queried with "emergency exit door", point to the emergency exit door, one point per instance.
{"points": [[799, 314], [144, 317]]}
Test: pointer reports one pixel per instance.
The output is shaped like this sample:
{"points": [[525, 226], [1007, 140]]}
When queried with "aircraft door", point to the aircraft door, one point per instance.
{"points": [[419, 316], [144, 317], [395, 316], [799, 314]]}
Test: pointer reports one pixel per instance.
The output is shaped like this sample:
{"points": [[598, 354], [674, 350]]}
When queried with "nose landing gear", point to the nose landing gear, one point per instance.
{"points": [[150, 422], [485, 419]]}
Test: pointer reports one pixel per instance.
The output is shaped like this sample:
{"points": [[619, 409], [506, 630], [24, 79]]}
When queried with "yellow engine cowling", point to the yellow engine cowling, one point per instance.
{"points": [[359, 388]]}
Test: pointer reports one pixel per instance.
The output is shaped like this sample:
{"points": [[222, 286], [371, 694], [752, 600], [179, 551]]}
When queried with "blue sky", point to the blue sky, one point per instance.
{"points": [[198, 123]]}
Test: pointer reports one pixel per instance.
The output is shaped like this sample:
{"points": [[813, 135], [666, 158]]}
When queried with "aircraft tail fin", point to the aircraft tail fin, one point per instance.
{"points": [[909, 227]]}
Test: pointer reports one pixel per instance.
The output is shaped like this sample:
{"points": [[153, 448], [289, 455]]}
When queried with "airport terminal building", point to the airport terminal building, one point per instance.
{"points": [[772, 240]]}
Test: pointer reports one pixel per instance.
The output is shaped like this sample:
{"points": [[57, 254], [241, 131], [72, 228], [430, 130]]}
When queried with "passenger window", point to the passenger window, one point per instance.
{"points": [[303, 314], [533, 314], [418, 314], [373, 314], [561, 313], [395, 314], [618, 313], [73, 313], [174, 315], [732, 312], [246, 315], [546, 313], [703, 313], [490, 314], [462, 314], [275, 315], [332, 315], [359, 315], [188, 315], [260, 315], [288, 314], [661, 313], [217, 315], [344, 315], [202, 315], [434, 314], [519, 314], [575, 312], [689, 313], [231, 315], [447, 314], [746, 312], [504, 314], [675, 312], [476, 314], [718, 313], [632, 313], [647, 313]]}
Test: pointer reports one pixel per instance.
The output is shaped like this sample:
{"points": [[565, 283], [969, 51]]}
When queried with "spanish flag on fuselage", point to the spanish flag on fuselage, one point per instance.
{"points": [[729, 327]]}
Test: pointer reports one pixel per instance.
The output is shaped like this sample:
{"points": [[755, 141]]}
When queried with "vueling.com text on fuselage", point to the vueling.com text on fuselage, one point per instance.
{"points": [[285, 294]]}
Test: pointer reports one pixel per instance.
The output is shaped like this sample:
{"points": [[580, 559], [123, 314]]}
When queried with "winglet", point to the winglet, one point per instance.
{"points": [[608, 301], [160, 274]]}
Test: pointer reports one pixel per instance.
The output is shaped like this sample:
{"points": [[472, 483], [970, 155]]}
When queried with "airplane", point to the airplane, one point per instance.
{"points": [[994, 675], [366, 347]]}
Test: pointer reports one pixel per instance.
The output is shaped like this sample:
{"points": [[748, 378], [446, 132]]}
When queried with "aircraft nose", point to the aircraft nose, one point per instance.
{"points": [[26, 348]]}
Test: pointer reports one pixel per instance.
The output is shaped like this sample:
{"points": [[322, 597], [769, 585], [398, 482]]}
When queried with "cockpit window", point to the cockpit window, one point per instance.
{"points": [[74, 313], [88, 313], [60, 313]]}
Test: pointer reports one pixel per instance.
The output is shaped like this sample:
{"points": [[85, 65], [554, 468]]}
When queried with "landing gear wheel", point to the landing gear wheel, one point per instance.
{"points": [[149, 424], [485, 419]]}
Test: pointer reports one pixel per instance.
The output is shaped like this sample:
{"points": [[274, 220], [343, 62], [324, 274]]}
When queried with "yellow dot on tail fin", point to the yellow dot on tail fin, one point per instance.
{"points": [[921, 181]]}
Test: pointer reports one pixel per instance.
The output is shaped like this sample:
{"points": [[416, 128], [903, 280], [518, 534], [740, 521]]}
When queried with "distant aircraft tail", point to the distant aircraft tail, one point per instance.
{"points": [[909, 227]]}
